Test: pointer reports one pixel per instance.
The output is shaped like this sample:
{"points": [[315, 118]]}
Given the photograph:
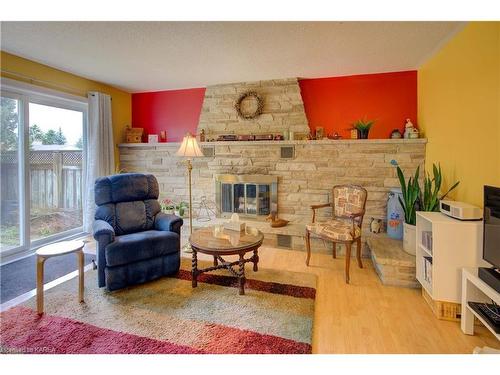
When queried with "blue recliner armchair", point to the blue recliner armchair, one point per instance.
{"points": [[136, 242]]}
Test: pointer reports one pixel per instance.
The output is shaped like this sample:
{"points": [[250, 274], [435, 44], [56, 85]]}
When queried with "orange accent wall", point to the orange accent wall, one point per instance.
{"points": [[335, 103], [175, 111]]}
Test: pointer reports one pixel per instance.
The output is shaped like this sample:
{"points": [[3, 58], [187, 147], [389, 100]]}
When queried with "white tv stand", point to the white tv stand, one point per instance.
{"points": [[475, 290], [455, 244]]}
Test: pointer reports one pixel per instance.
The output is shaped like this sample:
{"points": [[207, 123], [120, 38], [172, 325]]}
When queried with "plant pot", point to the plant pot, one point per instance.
{"points": [[410, 238], [363, 134], [169, 211]]}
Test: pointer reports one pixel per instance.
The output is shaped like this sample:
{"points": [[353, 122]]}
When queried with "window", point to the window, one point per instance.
{"points": [[42, 166]]}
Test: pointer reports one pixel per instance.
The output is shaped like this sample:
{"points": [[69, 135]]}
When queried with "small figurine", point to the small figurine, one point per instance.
{"points": [[202, 135], [396, 134], [375, 225], [275, 222], [410, 130]]}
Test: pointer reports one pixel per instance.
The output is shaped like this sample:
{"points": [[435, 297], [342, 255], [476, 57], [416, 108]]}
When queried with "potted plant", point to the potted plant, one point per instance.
{"points": [[411, 194], [363, 127], [167, 205], [181, 208], [430, 199], [415, 199]]}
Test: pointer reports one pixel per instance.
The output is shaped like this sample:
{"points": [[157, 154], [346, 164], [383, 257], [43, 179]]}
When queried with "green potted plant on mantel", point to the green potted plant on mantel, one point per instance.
{"points": [[414, 199], [363, 127]]}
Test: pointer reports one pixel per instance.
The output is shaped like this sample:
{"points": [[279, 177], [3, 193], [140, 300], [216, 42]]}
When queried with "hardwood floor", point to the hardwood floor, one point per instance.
{"points": [[366, 316]]}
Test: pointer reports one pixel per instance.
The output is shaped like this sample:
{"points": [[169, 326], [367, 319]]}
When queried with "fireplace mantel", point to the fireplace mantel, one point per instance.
{"points": [[283, 143]]}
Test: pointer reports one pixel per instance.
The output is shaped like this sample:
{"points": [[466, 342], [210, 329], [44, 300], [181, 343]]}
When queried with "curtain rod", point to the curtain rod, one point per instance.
{"points": [[32, 80]]}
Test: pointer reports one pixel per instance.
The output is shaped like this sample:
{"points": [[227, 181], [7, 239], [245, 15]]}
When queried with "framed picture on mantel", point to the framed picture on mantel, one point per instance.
{"points": [[153, 138]]}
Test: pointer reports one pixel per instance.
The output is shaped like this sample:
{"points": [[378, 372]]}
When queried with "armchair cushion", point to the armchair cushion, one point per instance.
{"points": [[136, 216], [336, 229], [125, 187], [348, 200], [134, 247]]}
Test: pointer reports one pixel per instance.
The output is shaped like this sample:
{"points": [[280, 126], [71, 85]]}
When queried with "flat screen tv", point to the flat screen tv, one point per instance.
{"points": [[491, 233]]}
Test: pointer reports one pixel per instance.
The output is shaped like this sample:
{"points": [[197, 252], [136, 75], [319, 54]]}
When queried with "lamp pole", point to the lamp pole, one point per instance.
{"points": [[190, 168], [189, 149]]}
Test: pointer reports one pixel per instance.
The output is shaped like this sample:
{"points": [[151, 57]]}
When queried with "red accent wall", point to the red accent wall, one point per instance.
{"points": [[335, 103], [176, 111]]}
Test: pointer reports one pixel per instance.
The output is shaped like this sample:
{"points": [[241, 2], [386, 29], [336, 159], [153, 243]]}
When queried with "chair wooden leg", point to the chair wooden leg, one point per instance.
{"points": [[358, 253], [347, 261], [334, 252], [308, 247]]}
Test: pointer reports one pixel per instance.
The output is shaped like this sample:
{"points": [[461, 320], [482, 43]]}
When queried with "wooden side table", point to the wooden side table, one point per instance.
{"points": [[53, 250]]}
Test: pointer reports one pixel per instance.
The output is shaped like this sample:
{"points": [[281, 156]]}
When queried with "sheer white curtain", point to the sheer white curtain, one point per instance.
{"points": [[100, 148]]}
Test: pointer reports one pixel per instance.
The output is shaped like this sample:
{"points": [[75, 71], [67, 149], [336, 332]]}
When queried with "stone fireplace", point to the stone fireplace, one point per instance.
{"points": [[248, 195], [255, 178]]}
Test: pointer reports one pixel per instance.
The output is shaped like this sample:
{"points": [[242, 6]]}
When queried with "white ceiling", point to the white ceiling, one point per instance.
{"points": [[152, 56]]}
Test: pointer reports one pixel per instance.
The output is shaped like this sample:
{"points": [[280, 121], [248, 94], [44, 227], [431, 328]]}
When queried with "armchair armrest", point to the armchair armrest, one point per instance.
{"points": [[314, 207], [102, 228], [104, 234], [169, 223], [354, 216], [359, 214]]}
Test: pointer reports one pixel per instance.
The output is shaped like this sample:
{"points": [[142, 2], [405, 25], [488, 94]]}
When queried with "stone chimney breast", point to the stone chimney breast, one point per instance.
{"points": [[283, 109]]}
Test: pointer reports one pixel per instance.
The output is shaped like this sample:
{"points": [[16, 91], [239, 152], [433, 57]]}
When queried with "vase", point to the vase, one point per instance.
{"points": [[169, 211], [410, 238]]}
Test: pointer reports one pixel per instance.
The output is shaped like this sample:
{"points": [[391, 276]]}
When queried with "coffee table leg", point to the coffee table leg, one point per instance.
{"points": [[255, 260], [216, 263], [81, 285], [39, 283], [241, 277], [194, 269]]}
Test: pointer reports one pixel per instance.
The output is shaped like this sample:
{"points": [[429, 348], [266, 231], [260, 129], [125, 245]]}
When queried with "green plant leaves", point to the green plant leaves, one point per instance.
{"points": [[411, 193], [413, 196]]}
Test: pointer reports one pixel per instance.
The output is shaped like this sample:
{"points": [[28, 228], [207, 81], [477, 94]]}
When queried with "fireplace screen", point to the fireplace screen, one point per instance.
{"points": [[247, 195]]}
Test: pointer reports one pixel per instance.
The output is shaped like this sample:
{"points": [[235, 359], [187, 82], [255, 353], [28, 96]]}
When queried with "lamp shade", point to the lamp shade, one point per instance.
{"points": [[189, 147]]}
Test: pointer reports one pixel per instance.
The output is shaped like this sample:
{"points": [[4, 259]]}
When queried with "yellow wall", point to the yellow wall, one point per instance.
{"points": [[121, 104], [459, 109]]}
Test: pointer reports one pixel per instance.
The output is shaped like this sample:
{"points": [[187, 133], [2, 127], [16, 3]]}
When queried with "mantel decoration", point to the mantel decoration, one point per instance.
{"points": [[252, 113], [363, 128]]}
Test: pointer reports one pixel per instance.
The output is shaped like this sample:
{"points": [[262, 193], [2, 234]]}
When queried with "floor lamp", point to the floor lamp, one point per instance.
{"points": [[189, 149]]}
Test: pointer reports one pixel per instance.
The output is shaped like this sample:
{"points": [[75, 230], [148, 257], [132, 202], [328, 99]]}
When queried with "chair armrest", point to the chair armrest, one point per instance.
{"points": [[104, 234], [354, 216], [102, 228], [168, 223], [359, 214], [314, 207]]}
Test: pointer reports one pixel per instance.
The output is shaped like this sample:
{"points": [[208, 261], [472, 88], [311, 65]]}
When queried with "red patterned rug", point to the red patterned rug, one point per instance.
{"points": [[168, 316]]}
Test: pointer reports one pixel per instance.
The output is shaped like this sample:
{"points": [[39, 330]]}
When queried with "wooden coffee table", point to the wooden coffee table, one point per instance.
{"points": [[219, 242]]}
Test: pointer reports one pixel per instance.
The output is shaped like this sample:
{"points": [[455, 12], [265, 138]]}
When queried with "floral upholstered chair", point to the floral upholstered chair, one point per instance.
{"points": [[348, 209]]}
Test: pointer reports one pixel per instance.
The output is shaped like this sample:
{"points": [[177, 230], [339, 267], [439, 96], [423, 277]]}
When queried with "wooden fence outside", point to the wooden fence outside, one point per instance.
{"points": [[56, 179]]}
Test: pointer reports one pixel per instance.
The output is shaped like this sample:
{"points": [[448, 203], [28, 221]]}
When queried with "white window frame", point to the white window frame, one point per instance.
{"points": [[26, 94]]}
